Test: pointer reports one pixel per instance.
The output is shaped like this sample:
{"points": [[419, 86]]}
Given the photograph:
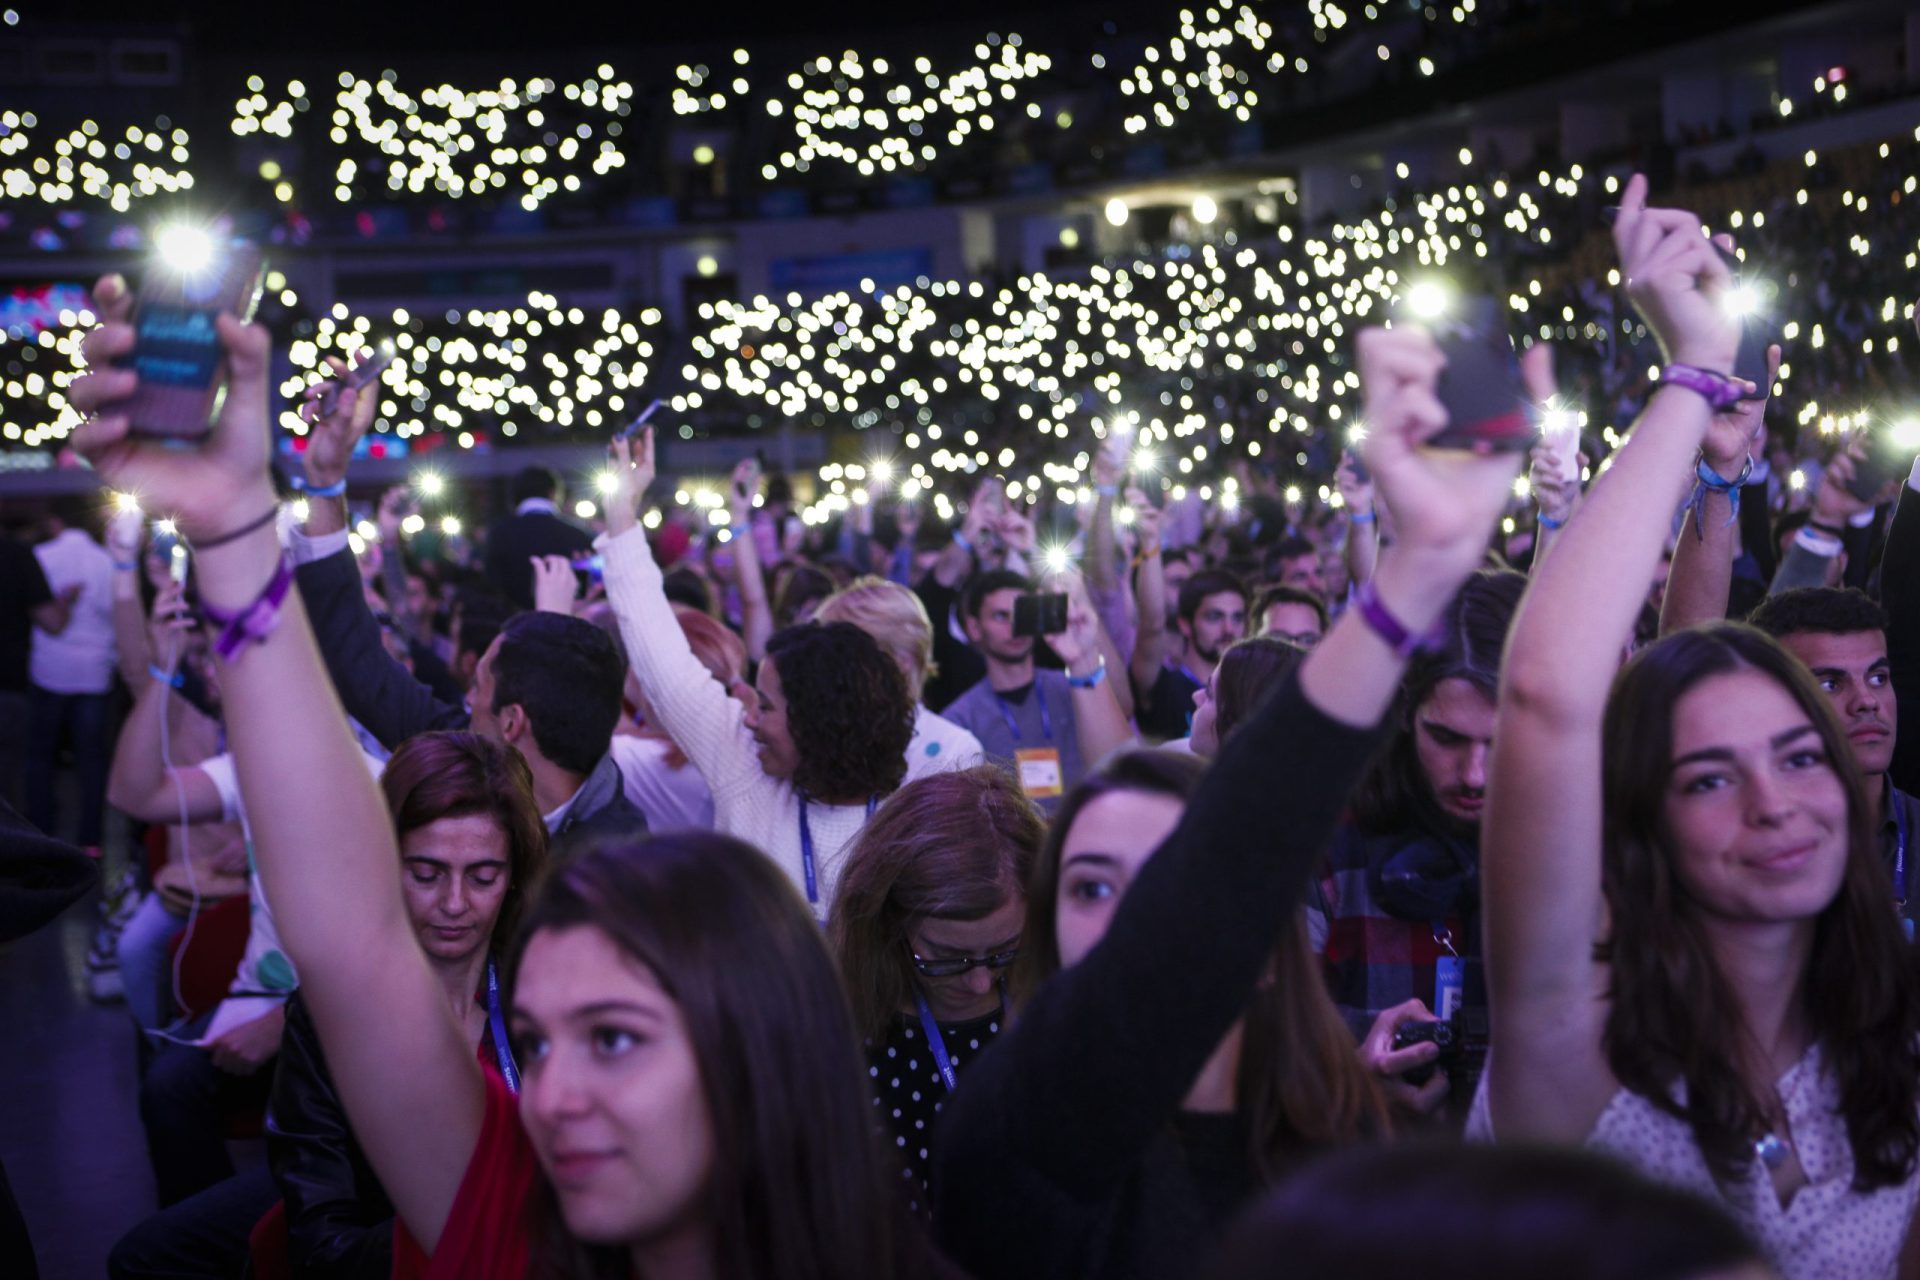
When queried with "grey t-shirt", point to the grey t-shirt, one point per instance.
{"points": [[1039, 716]]}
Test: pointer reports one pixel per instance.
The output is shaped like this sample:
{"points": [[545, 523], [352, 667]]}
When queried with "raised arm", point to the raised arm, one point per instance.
{"points": [[756, 614], [1701, 577], [1100, 723], [1150, 640], [142, 784], [1190, 941], [322, 840], [688, 704], [1362, 549], [1541, 839]]}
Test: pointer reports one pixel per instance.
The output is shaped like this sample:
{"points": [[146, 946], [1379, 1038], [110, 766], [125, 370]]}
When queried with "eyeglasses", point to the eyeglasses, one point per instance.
{"points": [[957, 965]]}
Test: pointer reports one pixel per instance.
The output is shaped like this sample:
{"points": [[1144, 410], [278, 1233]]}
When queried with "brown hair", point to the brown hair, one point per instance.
{"points": [[799, 1190], [452, 775], [1301, 1082], [951, 846], [1248, 669], [1672, 1015]]}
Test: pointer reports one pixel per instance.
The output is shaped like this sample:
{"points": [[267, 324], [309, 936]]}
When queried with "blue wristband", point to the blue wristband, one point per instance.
{"points": [[1092, 679], [1364, 517], [333, 490], [126, 566], [173, 678], [960, 540], [1548, 522]]}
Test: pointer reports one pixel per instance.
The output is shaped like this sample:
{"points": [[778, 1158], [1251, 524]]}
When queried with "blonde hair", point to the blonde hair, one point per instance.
{"points": [[893, 616]]}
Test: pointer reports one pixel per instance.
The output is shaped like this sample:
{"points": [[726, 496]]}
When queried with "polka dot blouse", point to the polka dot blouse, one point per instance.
{"points": [[908, 1092]]}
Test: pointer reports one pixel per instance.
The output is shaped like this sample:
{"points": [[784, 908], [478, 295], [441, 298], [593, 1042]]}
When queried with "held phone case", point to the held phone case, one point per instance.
{"points": [[1881, 464], [1040, 614], [176, 348], [1750, 361], [1486, 403]]}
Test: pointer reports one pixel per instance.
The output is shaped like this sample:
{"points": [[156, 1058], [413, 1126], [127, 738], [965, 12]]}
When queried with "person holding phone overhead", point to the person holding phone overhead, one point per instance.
{"points": [[1047, 726], [691, 1100], [1692, 959], [797, 772]]}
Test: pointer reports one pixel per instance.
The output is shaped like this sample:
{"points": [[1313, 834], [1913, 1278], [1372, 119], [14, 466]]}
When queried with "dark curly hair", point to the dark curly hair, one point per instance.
{"points": [[1833, 611], [848, 710]]}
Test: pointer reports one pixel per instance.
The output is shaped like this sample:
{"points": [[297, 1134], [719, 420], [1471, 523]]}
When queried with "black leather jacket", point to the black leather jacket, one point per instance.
{"points": [[339, 1222]]}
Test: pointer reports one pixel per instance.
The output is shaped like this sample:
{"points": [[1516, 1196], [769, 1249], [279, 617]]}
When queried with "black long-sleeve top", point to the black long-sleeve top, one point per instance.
{"points": [[1900, 597], [1064, 1153], [377, 691]]}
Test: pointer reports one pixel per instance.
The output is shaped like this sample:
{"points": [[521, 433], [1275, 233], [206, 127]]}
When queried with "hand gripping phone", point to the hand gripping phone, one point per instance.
{"points": [[176, 348]]}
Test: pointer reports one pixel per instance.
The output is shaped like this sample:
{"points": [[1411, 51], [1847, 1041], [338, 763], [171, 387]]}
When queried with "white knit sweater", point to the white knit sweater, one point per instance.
{"points": [[710, 726]]}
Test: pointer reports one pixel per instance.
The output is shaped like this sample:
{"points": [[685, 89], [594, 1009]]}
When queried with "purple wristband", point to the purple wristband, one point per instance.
{"points": [[1381, 621], [1719, 390], [254, 623]]}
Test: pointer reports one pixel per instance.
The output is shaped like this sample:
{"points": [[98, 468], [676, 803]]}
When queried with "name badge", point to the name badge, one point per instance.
{"points": [[1449, 981], [1040, 775]]}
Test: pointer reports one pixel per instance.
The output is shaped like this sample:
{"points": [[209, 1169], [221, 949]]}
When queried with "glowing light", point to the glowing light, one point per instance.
{"points": [[126, 503], [707, 265], [606, 484], [450, 525], [1205, 210], [1117, 212], [1428, 299], [430, 484], [186, 249]]}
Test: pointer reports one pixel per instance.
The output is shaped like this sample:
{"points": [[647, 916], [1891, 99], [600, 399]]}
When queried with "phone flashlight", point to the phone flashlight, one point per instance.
{"points": [[359, 376]]}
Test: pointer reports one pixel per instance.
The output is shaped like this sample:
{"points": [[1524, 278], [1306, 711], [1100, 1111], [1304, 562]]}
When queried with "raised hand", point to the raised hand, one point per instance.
{"points": [[208, 490], [1676, 280], [631, 464], [332, 434], [1445, 502], [741, 486], [168, 626], [395, 504], [555, 588], [1147, 519], [1079, 645]]}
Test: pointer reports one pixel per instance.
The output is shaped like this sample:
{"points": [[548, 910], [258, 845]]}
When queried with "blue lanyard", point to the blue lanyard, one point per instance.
{"points": [[935, 1041], [1900, 844], [806, 846], [1046, 719], [502, 1050]]}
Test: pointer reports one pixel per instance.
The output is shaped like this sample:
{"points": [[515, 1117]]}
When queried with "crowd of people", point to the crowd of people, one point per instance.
{"points": [[1168, 886]]}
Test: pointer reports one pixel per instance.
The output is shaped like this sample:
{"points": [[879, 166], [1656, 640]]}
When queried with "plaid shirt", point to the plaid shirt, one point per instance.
{"points": [[1372, 959]]}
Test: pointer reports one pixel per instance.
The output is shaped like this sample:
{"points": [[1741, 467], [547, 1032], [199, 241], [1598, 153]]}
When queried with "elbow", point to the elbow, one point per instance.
{"points": [[1538, 693]]}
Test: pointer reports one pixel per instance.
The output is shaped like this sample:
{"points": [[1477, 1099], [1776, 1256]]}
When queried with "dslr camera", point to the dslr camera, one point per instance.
{"points": [[1463, 1048]]}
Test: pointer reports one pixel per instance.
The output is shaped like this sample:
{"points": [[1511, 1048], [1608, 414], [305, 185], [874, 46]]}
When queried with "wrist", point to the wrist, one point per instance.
{"points": [[1416, 586], [1086, 670]]}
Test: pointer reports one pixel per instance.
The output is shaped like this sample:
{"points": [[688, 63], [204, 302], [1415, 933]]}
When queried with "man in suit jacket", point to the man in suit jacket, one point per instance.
{"points": [[534, 529]]}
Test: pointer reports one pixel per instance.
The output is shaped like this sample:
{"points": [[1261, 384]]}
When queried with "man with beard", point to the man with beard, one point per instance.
{"points": [[1397, 918], [1043, 724], [1841, 635], [1212, 615]]}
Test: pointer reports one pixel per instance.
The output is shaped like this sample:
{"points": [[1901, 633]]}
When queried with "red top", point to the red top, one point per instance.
{"points": [[486, 1235]]}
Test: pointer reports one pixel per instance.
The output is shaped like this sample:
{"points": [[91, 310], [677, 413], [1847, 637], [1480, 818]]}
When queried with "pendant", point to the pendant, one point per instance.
{"points": [[1772, 1151]]}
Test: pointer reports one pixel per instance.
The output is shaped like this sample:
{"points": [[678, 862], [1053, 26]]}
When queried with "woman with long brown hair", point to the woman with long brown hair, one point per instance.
{"points": [[691, 1102], [1139, 1099], [1694, 961], [927, 920]]}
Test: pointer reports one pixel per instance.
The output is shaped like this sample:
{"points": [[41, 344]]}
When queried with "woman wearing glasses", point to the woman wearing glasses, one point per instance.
{"points": [[927, 920]]}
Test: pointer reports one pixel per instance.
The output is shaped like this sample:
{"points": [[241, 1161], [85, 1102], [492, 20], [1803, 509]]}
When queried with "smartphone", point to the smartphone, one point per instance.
{"points": [[632, 429], [1481, 390], [359, 376], [594, 566], [1750, 360], [177, 564], [1358, 466], [1040, 613], [1880, 463], [176, 349]]}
